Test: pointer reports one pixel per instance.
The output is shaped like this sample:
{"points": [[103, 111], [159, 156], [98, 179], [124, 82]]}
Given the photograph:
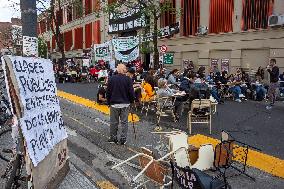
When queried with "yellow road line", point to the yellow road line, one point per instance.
{"points": [[92, 104], [264, 162], [105, 185]]}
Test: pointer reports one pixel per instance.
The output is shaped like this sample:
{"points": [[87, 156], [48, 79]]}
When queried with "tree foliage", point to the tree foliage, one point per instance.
{"points": [[42, 48]]}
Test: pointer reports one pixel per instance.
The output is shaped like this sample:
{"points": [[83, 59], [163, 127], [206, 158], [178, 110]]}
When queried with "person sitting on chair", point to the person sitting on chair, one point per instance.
{"points": [[165, 91], [101, 95]]}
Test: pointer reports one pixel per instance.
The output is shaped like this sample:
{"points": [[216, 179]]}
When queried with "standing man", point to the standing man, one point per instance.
{"points": [[120, 94], [273, 71]]}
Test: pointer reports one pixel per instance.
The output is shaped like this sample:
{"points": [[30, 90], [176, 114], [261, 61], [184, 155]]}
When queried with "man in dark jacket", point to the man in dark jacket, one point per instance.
{"points": [[273, 71], [120, 94]]}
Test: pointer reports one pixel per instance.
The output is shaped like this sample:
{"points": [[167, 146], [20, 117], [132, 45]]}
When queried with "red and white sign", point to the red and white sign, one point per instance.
{"points": [[163, 48]]}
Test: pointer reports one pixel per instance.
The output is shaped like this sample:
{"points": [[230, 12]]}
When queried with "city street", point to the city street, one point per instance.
{"points": [[88, 129]]}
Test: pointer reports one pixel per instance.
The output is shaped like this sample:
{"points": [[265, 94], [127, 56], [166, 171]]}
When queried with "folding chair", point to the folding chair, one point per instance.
{"points": [[200, 113], [152, 169], [231, 153], [165, 107], [147, 103]]}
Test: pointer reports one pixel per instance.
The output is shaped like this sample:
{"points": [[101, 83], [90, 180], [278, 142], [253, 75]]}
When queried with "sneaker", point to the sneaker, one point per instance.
{"points": [[122, 141], [112, 141], [238, 100], [269, 107], [242, 96], [158, 129]]}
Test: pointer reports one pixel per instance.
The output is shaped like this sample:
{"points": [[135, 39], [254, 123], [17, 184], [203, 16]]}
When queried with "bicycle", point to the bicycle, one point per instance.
{"points": [[11, 151]]}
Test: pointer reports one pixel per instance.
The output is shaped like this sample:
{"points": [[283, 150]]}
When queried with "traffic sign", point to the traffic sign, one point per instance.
{"points": [[163, 48]]}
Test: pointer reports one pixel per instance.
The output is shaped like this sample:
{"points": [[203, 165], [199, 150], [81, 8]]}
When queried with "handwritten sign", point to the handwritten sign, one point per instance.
{"points": [[103, 51], [42, 124], [30, 46]]}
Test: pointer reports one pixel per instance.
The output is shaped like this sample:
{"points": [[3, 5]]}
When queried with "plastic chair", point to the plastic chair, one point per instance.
{"points": [[200, 113], [205, 158], [165, 106]]}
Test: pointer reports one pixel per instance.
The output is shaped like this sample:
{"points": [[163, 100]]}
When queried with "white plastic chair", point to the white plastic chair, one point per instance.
{"points": [[205, 159], [179, 147]]}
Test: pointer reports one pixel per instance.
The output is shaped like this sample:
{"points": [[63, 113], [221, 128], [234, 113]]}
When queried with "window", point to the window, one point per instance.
{"points": [[88, 7], [96, 32], [78, 38], [59, 16], [68, 40], [77, 9], [221, 16], [69, 13], [169, 17], [256, 13], [88, 35], [190, 17]]}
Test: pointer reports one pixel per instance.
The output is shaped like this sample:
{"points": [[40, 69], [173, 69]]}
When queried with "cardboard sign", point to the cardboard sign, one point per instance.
{"points": [[30, 46], [41, 122]]}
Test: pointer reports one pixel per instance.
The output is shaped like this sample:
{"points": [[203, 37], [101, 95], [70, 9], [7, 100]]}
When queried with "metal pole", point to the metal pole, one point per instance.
{"points": [[29, 17]]}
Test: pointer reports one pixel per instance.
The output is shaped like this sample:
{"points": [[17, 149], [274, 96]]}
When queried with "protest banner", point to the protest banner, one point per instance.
{"points": [[40, 118], [103, 51]]}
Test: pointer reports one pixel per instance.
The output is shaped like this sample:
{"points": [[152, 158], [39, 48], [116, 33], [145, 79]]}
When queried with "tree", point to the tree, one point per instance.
{"points": [[11, 38], [55, 20], [151, 11], [42, 48]]}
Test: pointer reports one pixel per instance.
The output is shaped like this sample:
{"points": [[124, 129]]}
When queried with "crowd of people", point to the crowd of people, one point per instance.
{"points": [[127, 85]]}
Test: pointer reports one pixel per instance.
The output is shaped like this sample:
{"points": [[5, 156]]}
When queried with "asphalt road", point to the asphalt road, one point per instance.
{"points": [[88, 134], [248, 121]]}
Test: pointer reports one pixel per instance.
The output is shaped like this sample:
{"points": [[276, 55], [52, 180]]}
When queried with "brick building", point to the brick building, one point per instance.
{"points": [[238, 32], [8, 41], [80, 29]]}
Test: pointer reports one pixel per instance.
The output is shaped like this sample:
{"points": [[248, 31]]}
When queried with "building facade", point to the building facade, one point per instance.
{"points": [[238, 34], [80, 27], [11, 37]]}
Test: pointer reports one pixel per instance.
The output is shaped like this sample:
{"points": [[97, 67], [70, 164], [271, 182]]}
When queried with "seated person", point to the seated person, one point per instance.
{"points": [[281, 77], [101, 95], [235, 88], [172, 77], [148, 89], [137, 87], [259, 89], [165, 91], [187, 85]]}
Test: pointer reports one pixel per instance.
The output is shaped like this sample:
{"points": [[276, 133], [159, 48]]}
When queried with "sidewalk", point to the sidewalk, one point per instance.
{"points": [[76, 180]]}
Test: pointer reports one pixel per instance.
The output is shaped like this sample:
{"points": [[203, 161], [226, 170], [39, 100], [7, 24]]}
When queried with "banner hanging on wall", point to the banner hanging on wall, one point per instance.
{"points": [[133, 55], [125, 43]]}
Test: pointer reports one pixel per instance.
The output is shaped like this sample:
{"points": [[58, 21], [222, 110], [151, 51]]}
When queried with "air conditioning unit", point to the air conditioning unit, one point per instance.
{"points": [[276, 20]]}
